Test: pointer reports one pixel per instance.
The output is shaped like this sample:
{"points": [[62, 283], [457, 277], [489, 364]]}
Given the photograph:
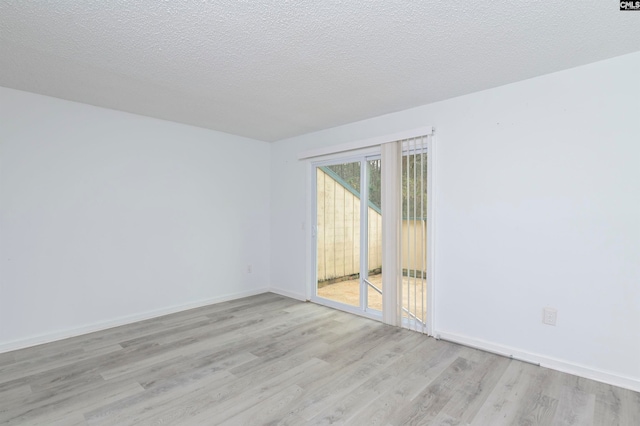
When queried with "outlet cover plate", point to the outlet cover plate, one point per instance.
{"points": [[549, 316]]}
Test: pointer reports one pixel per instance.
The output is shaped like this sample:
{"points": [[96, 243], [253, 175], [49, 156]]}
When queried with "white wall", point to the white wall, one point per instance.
{"points": [[106, 217], [537, 204]]}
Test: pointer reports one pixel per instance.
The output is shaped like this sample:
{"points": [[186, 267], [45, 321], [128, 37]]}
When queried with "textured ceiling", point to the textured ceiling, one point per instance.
{"points": [[275, 69]]}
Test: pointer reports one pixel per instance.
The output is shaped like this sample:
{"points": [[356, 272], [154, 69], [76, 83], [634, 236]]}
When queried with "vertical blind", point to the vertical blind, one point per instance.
{"points": [[413, 236]]}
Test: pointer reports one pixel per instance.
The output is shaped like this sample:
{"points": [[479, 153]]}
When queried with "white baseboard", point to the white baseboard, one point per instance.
{"points": [[103, 325], [544, 361], [286, 293]]}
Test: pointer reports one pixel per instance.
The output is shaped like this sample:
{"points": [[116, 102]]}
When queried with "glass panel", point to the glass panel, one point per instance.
{"points": [[338, 232], [374, 240]]}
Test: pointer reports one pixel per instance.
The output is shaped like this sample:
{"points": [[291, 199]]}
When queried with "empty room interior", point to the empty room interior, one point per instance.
{"points": [[341, 212]]}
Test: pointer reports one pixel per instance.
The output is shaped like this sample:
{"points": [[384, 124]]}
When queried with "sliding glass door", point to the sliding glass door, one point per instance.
{"points": [[348, 235], [352, 233]]}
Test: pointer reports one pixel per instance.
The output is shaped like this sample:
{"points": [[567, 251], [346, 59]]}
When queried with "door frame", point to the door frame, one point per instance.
{"points": [[362, 157]]}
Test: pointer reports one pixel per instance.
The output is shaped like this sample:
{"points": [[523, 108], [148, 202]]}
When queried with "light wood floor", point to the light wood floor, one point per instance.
{"points": [[271, 360]]}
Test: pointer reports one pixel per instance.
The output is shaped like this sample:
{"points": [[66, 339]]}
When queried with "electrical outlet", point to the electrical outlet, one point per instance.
{"points": [[549, 316]]}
